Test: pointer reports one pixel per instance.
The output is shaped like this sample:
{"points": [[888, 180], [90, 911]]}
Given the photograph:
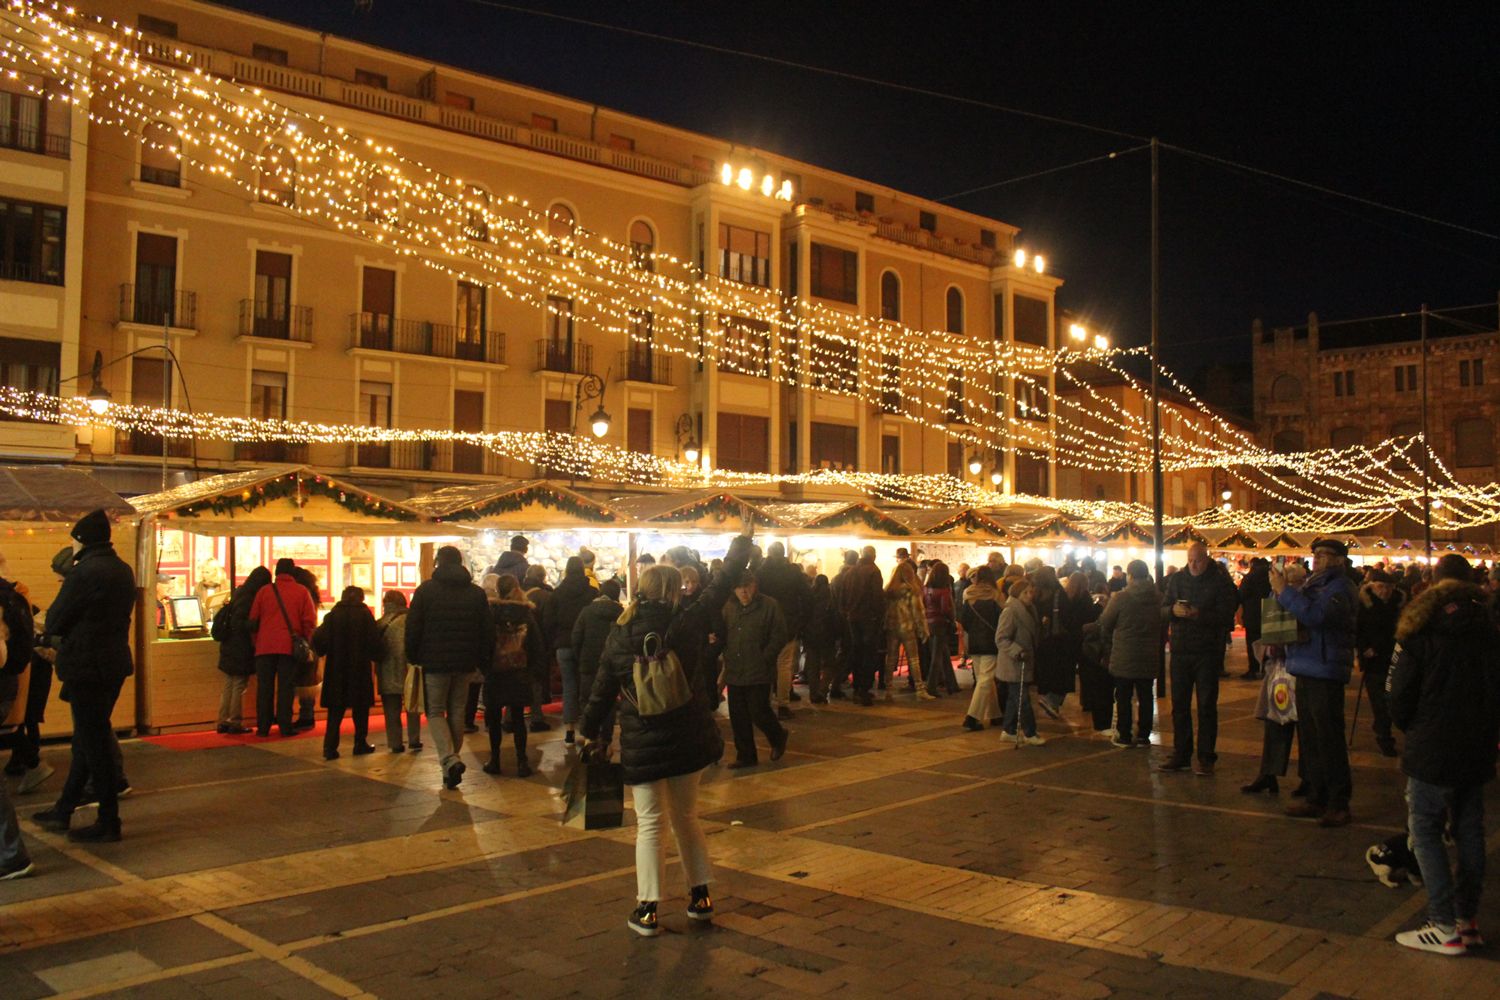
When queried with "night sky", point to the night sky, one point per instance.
{"points": [[1386, 103]]}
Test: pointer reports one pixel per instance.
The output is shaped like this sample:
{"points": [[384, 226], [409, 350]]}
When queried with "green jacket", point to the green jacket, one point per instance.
{"points": [[755, 634]]}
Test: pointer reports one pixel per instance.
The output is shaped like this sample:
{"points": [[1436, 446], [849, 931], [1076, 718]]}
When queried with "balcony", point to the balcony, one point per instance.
{"points": [[560, 356], [427, 456], [890, 402], [270, 452], [152, 307], [31, 140], [146, 445], [380, 332], [28, 270], [650, 368], [262, 319]]}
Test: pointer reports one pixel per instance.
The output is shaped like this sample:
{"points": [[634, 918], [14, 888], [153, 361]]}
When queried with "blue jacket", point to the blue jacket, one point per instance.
{"points": [[1325, 606]]}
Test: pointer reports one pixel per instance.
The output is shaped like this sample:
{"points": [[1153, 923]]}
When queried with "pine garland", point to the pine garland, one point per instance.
{"points": [[539, 495], [864, 517], [297, 488], [723, 506]]}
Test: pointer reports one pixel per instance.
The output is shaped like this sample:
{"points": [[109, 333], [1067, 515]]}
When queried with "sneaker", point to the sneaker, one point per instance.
{"points": [[972, 724], [1123, 744], [1467, 929], [1431, 937], [22, 869], [53, 820], [701, 906], [97, 832], [34, 777], [1036, 740], [1379, 858], [925, 695], [643, 920], [453, 774]]}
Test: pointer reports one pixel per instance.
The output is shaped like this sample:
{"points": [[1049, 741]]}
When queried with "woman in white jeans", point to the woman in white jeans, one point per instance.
{"points": [[664, 754], [979, 614]]}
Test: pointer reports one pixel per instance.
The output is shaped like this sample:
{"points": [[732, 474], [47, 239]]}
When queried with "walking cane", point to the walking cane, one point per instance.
{"points": [[1355, 725]]}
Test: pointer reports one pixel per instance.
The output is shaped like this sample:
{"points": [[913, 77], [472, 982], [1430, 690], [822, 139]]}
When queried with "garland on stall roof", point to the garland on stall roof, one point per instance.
{"points": [[866, 517], [539, 495], [721, 505], [296, 488]]}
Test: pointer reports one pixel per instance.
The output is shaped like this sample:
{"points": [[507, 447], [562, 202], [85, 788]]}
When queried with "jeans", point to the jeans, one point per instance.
{"points": [[1320, 724], [446, 694], [1195, 674], [494, 711], [984, 704], [1125, 688], [1448, 897], [1018, 700], [391, 704], [93, 751], [232, 700], [275, 692], [678, 798], [13, 854], [786, 667], [567, 663], [335, 722], [895, 642], [750, 709]]}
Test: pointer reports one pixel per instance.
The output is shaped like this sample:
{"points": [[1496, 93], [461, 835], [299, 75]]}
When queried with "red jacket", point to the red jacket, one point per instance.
{"points": [[271, 635]]}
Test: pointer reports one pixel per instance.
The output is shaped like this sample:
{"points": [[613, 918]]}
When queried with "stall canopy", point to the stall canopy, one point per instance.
{"points": [[1185, 535], [283, 500], [957, 523], [1130, 531], [1235, 539], [840, 514], [41, 493], [704, 509], [515, 502], [1055, 529]]}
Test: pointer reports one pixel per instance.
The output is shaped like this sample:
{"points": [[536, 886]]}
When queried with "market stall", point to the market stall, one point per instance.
{"points": [[38, 507], [204, 538]]}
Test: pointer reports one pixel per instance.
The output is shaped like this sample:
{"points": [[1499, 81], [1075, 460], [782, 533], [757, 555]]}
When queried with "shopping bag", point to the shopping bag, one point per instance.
{"points": [[1278, 627], [1279, 694], [594, 795]]}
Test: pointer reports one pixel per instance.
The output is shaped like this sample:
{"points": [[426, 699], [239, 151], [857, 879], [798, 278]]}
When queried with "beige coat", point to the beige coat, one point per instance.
{"points": [[1015, 643]]}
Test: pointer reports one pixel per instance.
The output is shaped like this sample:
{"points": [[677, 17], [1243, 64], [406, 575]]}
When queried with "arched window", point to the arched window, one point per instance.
{"points": [[890, 297], [561, 224], [1286, 389], [955, 311], [642, 246], [477, 214], [159, 162], [1346, 437], [278, 176], [1287, 442], [1473, 442]]}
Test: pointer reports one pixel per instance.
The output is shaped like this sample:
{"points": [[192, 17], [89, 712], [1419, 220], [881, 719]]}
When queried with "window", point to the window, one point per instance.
{"points": [[890, 454], [1286, 389], [835, 273], [927, 221], [1343, 382], [1473, 443], [1031, 400], [31, 242], [369, 78], [1287, 442], [744, 443], [31, 365], [159, 162], [747, 346], [155, 279], [156, 25], [953, 407], [560, 226], [1471, 372], [955, 311], [267, 395], [744, 255], [1029, 320], [642, 246], [638, 430], [1346, 437], [374, 411], [21, 118], [377, 308], [543, 123], [1032, 475], [470, 315], [890, 297], [834, 365], [559, 333], [834, 446], [278, 176], [149, 385], [557, 416], [890, 384], [864, 201], [468, 415], [621, 142], [987, 238], [1406, 378], [477, 214], [273, 295], [268, 54], [956, 459], [454, 99]]}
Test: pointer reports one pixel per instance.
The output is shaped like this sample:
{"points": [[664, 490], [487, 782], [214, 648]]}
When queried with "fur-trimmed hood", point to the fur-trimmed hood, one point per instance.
{"points": [[1444, 594]]}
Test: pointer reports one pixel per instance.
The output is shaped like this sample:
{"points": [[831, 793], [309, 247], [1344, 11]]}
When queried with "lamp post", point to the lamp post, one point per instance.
{"points": [[589, 387], [98, 397], [1426, 453], [687, 440], [1156, 502]]}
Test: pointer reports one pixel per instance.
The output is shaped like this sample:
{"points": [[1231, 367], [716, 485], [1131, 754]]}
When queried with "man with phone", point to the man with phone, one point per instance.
{"points": [[1199, 603]]}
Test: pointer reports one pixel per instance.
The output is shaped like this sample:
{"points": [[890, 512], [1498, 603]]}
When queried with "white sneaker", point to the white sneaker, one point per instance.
{"points": [[1433, 938], [1036, 741], [1469, 931], [924, 695], [34, 777]]}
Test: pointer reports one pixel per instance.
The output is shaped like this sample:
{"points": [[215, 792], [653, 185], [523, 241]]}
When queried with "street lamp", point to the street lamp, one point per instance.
{"points": [[976, 465], [687, 441], [589, 387], [996, 478], [98, 397]]}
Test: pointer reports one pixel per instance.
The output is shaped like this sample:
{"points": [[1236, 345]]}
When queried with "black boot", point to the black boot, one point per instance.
{"points": [[1264, 783], [101, 831], [972, 724]]}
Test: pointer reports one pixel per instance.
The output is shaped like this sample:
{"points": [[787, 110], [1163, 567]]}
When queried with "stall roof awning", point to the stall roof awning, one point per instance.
{"points": [[672, 508], [482, 501], [951, 520], [314, 503], [1130, 531], [45, 493], [1055, 528], [1236, 538], [829, 516]]}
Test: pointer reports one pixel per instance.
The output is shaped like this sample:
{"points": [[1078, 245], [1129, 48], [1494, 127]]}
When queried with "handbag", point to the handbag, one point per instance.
{"points": [[661, 685], [594, 795], [302, 651], [1277, 701], [1278, 626]]}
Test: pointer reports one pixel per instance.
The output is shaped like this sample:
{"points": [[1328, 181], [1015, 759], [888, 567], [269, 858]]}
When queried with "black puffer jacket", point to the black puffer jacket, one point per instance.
{"points": [[237, 644], [513, 687], [590, 629], [1445, 686], [449, 629], [91, 617], [684, 741], [562, 608], [1212, 592], [1375, 627], [784, 582]]}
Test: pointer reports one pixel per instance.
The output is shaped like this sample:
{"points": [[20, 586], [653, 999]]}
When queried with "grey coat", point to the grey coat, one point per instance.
{"points": [[1015, 642], [391, 667], [1131, 630]]}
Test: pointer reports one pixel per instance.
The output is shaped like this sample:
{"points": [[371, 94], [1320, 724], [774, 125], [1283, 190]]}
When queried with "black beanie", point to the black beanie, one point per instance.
{"points": [[92, 529]]}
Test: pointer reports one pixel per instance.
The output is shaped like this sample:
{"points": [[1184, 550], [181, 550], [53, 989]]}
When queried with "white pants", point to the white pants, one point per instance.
{"points": [[985, 704], [679, 798]]}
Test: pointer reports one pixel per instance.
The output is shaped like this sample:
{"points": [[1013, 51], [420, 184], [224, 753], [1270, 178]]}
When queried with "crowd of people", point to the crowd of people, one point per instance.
{"points": [[651, 672]]}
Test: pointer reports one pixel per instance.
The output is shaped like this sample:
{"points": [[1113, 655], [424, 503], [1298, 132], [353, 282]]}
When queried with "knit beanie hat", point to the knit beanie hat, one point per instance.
{"points": [[92, 529]]}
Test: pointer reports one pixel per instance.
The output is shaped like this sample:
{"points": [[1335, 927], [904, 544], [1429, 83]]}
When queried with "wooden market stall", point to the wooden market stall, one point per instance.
{"points": [[38, 507], [203, 538]]}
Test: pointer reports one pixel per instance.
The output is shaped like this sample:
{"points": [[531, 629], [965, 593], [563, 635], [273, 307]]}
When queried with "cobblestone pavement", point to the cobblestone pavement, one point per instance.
{"points": [[890, 851]]}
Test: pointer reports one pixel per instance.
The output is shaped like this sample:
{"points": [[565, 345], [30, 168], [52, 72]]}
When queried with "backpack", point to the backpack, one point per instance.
{"points": [[661, 685], [510, 648], [17, 631], [219, 630]]}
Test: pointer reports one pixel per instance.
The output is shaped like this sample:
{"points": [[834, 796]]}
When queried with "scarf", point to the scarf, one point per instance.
{"points": [[980, 591]]}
